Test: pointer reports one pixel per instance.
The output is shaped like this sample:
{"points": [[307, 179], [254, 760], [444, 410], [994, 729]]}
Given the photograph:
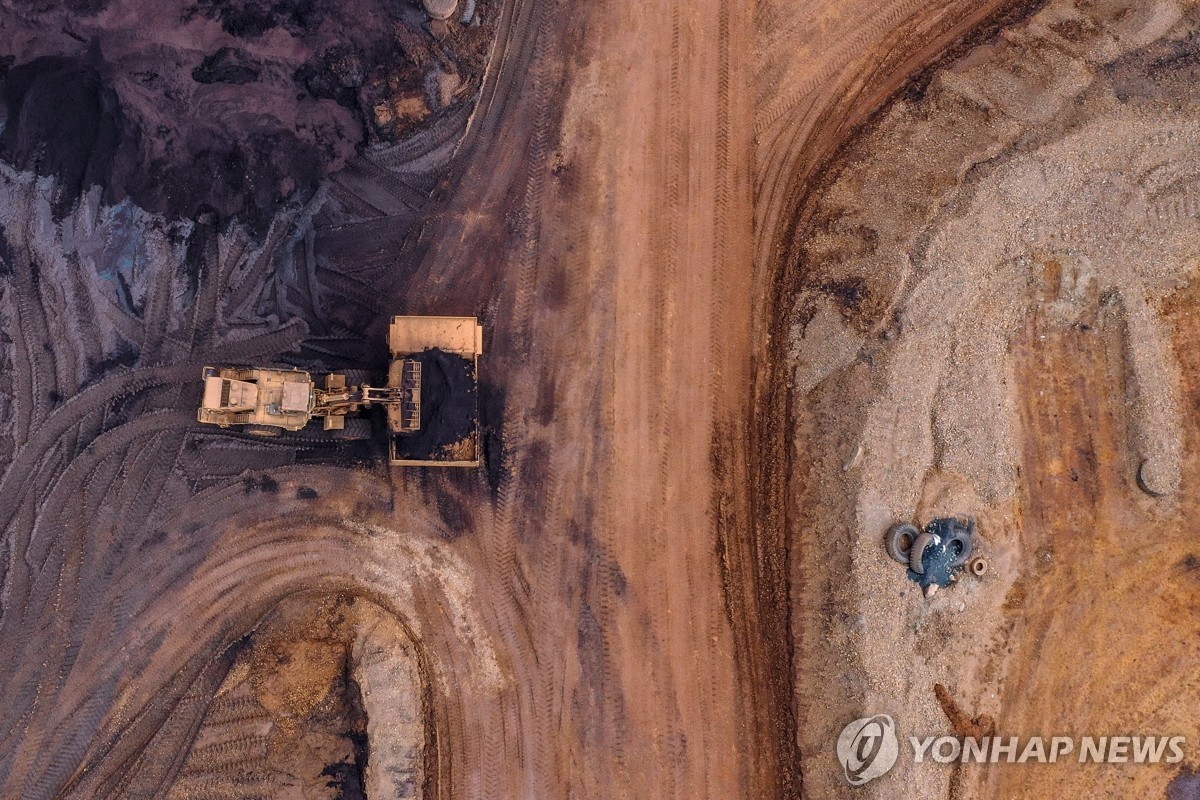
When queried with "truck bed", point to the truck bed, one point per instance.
{"points": [[447, 350]]}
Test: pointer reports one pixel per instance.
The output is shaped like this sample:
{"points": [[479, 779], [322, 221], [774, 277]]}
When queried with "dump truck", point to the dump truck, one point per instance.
{"points": [[431, 395], [441, 356]]}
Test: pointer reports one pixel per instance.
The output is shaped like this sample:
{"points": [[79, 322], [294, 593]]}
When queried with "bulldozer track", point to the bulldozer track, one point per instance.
{"points": [[355, 204], [44, 541], [392, 182], [250, 285], [157, 310], [30, 319], [88, 401], [23, 388], [525, 22], [286, 338], [535, 165]]}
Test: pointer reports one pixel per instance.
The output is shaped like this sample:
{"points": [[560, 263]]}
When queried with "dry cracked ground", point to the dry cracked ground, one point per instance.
{"points": [[758, 280]]}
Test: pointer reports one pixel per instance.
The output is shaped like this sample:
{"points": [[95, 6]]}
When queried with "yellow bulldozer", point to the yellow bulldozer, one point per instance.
{"points": [[431, 395]]}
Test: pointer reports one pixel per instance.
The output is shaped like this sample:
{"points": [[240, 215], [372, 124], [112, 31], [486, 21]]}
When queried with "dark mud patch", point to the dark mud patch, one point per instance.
{"points": [[64, 121], [491, 409], [347, 776], [260, 483], [347, 779], [253, 18], [602, 581], [1158, 72], [451, 492]]}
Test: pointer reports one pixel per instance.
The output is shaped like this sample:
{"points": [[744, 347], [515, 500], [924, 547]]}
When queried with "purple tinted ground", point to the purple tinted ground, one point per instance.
{"points": [[1186, 786]]}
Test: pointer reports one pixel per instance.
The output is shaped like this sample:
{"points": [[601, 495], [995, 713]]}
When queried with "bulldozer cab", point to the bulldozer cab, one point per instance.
{"points": [[278, 398], [227, 394]]}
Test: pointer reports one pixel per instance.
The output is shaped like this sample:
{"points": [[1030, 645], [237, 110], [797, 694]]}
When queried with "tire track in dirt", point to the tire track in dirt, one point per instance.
{"points": [[659, 524], [663, 309], [355, 204], [394, 184], [93, 399], [53, 532], [266, 347], [757, 618], [23, 388], [60, 537], [247, 286], [525, 285], [834, 61], [407, 156], [34, 334], [158, 309], [522, 611]]}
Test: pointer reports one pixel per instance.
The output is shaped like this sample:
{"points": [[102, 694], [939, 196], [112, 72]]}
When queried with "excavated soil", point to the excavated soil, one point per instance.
{"points": [[238, 107]]}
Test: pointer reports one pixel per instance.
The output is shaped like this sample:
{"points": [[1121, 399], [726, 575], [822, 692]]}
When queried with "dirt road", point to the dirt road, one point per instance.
{"points": [[622, 341]]}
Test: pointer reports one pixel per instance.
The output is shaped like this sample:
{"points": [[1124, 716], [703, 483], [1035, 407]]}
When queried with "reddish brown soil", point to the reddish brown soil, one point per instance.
{"points": [[635, 597]]}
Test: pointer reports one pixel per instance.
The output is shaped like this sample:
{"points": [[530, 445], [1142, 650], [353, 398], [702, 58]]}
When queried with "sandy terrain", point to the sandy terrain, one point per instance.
{"points": [[996, 335]]}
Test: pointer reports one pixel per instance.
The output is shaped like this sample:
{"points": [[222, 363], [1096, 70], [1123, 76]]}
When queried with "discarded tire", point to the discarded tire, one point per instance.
{"points": [[979, 567], [918, 551], [962, 543], [899, 541]]}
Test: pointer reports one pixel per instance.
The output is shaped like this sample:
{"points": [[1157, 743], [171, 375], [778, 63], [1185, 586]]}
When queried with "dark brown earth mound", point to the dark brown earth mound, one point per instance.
{"points": [[236, 105]]}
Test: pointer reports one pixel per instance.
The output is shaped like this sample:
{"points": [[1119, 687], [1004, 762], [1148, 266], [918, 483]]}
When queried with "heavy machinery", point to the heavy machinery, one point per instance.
{"points": [[431, 396]]}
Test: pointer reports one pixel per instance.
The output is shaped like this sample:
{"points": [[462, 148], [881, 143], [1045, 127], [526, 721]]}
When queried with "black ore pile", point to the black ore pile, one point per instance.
{"points": [[63, 120], [449, 405]]}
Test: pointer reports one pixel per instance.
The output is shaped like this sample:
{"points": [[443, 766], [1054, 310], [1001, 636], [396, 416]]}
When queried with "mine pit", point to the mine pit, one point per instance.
{"points": [[291, 717]]}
